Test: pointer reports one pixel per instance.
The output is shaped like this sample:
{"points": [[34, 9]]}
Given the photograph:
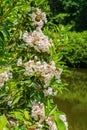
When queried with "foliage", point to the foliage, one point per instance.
{"points": [[20, 93], [74, 48], [70, 47], [70, 12], [14, 17], [75, 52]]}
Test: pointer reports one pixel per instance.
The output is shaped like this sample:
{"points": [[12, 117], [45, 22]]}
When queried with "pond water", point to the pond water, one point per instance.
{"points": [[74, 101]]}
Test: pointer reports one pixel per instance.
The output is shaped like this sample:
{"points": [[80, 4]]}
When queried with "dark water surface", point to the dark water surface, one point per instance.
{"points": [[74, 101]]}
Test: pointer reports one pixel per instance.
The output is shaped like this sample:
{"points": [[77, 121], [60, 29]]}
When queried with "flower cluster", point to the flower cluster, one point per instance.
{"points": [[4, 77], [46, 70], [38, 18], [43, 70], [38, 111], [39, 115], [38, 40]]}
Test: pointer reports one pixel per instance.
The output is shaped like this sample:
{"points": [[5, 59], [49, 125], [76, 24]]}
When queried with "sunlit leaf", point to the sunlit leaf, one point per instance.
{"points": [[3, 123], [60, 123], [27, 116], [6, 32], [16, 100], [53, 110]]}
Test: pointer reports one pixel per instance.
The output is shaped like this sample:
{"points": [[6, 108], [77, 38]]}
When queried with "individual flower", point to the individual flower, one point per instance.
{"points": [[58, 73], [38, 18], [51, 123], [39, 126], [9, 103], [49, 91], [19, 62], [4, 77], [13, 123], [38, 40], [38, 111]]}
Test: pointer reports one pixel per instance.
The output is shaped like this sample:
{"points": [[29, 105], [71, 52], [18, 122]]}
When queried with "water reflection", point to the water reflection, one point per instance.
{"points": [[74, 102], [76, 114]]}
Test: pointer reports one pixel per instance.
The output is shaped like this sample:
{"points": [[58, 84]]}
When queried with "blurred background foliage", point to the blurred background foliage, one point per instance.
{"points": [[70, 12]]}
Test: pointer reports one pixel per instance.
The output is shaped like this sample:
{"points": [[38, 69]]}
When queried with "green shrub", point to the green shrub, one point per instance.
{"points": [[69, 12], [29, 77], [70, 47], [75, 51]]}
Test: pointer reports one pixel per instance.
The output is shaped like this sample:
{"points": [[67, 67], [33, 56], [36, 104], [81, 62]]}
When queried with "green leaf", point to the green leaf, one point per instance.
{"points": [[48, 104], [1, 11], [7, 22], [3, 63], [16, 100], [22, 128], [5, 128], [59, 122], [3, 123], [18, 115], [1, 43], [27, 116], [1, 35], [19, 128], [15, 128], [6, 32], [53, 110]]}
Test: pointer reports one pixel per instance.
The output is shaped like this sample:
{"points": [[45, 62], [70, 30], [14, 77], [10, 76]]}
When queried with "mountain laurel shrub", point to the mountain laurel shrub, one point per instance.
{"points": [[29, 78]]}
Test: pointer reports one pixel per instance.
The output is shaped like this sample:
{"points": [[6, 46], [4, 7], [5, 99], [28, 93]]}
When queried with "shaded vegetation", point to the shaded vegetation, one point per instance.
{"points": [[70, 12]]}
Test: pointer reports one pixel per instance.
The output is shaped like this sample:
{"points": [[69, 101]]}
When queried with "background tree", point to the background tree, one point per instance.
{"points": [[70, 12]]}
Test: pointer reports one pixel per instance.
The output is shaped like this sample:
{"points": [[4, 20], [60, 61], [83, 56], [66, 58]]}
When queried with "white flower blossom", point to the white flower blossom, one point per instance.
{"points": [[52, 125], [13, 123], [4, 77], [38, 18], [19, 62], [38, 40], [9, 102], [48, 91], [38, 111], [39, 127], [58, 73], [46, 70]]}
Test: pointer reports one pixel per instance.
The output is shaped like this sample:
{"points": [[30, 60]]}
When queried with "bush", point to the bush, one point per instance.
{"points": [[29, 77], [70, 47], [75, 51], [69, 12]]}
